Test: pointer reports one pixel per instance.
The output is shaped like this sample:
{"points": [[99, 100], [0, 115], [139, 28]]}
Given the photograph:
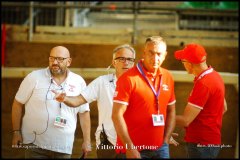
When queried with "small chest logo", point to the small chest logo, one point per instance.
{"points": [[165, 87], [71, 88]]}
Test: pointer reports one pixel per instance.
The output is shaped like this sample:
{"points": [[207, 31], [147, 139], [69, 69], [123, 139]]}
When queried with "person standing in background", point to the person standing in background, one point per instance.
{"points": [[202, 117]]}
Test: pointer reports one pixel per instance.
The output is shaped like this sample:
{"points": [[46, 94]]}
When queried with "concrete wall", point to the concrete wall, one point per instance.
{"points": [[24, 54]]}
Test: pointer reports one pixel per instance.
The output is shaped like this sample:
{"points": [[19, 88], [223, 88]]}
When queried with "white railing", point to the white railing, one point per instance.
{"points": [[91, 73]]}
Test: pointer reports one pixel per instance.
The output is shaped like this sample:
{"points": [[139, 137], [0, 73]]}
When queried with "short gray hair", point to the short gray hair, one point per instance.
{"points": [[155, 39], [127, 46]]}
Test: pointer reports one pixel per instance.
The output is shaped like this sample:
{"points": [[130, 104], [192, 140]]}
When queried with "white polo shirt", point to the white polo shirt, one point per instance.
{"points": [[41, 110], [101, 90]]}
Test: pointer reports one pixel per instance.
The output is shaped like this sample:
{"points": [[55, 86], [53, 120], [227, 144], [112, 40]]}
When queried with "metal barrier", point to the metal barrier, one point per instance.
{"points": [[122, 14]]}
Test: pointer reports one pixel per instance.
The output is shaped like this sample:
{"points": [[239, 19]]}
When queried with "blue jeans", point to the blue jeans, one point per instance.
{"points": [[202, 151], [162, 152]]}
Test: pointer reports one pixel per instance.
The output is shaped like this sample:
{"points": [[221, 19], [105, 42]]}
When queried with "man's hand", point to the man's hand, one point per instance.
{"points": [[17, 139], [59, 96], [172, 140], [86, 147], [132, 153]]}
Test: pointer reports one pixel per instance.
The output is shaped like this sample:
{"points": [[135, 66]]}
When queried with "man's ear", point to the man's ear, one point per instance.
{"points": [[69, 61], [113, 63], [165, 54], [143, 53]]}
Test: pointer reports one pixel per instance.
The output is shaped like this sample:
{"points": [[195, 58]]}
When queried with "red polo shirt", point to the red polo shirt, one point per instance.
{"points": [[134, 91], [208, 94]]}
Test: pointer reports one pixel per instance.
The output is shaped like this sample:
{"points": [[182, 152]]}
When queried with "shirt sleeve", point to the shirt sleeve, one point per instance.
{"points": [[26, 89], [85, 107], [90, 93], [199, 95], [123, 91], [172, 99]]}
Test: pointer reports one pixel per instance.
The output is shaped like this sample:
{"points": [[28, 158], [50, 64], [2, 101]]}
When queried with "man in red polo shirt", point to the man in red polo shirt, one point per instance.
{"points": [[202, 117], [144, 105]]}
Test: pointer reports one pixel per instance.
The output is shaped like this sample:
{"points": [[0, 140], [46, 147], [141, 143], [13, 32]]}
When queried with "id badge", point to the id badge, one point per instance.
{"points": [[60, 122], [158, 119]]}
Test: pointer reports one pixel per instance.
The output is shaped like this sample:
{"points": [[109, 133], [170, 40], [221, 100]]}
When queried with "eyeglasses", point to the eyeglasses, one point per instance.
{"points": [[59, 59], [123, 59]]}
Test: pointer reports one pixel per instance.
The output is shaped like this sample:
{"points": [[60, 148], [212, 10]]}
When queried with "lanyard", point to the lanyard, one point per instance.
{"points": [[156, 94], [62, 89]]}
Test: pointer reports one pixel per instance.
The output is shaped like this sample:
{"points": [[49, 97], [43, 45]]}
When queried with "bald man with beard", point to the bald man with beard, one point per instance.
{"points": [[47, 127]]}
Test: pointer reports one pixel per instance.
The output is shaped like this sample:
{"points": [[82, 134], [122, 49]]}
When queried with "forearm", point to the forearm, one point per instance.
{"points": [[74, 101], [181, 121], [121, 129], [17, 109], [85, 123], [189, 114], [170, 123]]}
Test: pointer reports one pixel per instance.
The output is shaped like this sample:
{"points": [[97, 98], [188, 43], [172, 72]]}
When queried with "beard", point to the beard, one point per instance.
{"points": [[57, 70]]}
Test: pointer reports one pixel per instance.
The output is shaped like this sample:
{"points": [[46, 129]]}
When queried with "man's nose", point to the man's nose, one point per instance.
{"points": [[126, 61], [156, 57], [55, 61]]}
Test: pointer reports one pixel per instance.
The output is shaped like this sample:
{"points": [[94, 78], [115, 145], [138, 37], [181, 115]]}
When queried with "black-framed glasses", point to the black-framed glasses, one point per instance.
{"points": [[124, 59], [59, 59]]}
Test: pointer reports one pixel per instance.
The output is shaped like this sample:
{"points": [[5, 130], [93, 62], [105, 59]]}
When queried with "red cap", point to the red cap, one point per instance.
{"points": [[193, 53]]}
